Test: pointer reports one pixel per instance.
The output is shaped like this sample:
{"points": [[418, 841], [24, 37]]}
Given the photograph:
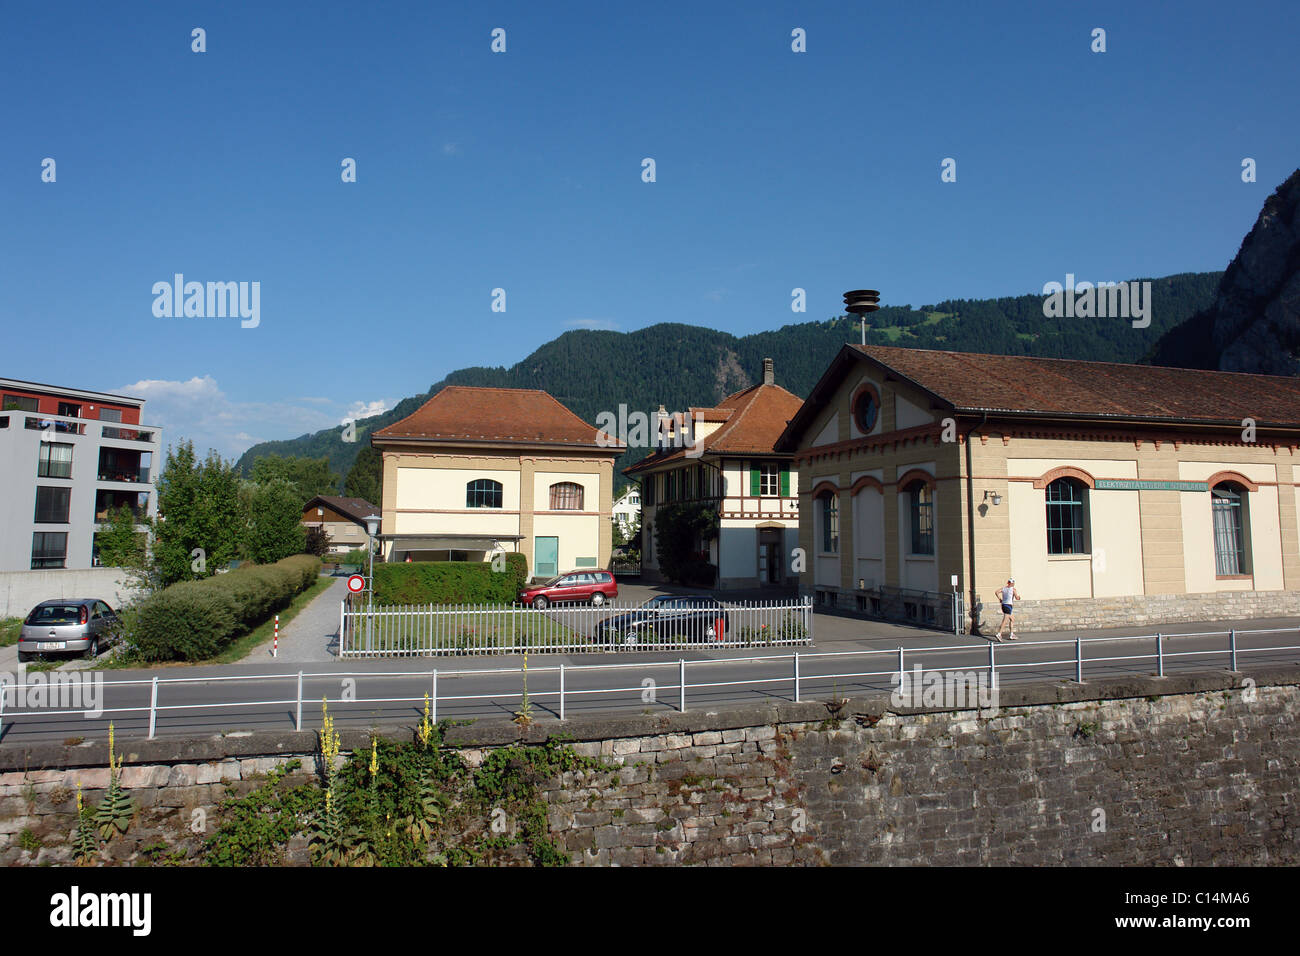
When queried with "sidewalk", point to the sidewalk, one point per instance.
{"points": [[312, 636]]}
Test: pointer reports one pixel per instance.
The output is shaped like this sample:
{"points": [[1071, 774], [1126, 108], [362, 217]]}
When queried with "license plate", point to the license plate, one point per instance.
{"points": [[51, 645]]}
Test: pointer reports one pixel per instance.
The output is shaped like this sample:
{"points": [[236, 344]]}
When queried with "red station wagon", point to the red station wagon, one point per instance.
{"points": [[595, 587]]}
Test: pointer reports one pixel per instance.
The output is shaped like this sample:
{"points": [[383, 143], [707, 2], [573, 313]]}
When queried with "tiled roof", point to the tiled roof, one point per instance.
{"points": [[752, 420], [1024, 385], [512, 415], [358, 509]]}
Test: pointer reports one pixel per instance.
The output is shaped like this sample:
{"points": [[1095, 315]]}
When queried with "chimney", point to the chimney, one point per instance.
{"points": [[769, 374]]}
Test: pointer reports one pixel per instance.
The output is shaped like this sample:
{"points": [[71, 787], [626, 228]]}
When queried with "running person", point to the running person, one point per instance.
{"points": [[1008, 596]]}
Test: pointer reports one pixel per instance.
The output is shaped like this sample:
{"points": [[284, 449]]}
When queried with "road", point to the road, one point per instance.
{"points": [[850, 657]]}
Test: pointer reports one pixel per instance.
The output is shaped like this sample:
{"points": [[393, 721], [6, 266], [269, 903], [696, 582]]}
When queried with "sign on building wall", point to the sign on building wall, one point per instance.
{"points": [[1135, 484]]}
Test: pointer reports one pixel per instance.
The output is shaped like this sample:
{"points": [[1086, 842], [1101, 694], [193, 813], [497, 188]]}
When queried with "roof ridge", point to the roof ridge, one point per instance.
{"points": [[1066, 361]]}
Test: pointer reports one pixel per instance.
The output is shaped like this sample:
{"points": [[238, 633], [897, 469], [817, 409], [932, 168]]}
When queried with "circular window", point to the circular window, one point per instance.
{"points": [[866, 407]]}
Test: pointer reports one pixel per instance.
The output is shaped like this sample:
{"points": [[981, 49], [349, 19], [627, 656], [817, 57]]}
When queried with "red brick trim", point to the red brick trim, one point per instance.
{"points": [[1235, 476], [915, 474], [866, 481], [1065, 471], [824, 486]]}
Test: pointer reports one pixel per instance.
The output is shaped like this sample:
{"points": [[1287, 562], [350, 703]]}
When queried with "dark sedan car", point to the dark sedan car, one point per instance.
{"points": [[77, 626], [691, 617]]}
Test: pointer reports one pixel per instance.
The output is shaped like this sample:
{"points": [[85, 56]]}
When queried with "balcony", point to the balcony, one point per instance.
{"points": [[127, 466], [54, 423], [118, 433], [106, 502]]}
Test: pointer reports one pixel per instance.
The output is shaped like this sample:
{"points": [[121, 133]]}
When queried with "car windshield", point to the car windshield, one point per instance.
{"points": [[550, 582], [55, 614]]}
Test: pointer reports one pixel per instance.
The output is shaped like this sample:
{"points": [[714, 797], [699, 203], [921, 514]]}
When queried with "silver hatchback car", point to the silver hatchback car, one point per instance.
{"points": [[79, 626]]}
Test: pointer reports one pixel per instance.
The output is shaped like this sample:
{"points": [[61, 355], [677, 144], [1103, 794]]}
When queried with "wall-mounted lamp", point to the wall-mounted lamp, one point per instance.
{"points": [[997, 498], [862, 584]]}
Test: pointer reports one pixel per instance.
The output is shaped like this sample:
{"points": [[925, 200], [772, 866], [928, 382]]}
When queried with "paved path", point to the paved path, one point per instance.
{"points": [[312, 636]]}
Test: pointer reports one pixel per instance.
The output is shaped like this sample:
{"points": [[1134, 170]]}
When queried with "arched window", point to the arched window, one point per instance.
{"points": [[566, 496], [483, 493], [1066, 516], [920, 505], [830, 516], [1228, 505]]}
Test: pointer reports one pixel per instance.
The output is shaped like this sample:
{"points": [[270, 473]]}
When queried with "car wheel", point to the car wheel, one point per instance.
{"points": [[24, 657], [597, 599], [541, 603], [93, 650]]}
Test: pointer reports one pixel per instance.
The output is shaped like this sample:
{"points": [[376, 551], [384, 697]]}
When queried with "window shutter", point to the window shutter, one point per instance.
{"points": [[785, 483], [753, 481]]}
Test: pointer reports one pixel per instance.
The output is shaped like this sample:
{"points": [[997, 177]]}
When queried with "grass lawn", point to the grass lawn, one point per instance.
{"points": [[10, 628]]}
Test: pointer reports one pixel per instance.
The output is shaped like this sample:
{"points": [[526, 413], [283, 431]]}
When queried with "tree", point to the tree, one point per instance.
{"points": [[318, 542], [199, 525], [273, 522], [365, 478], [120, 543], [307, 477]]}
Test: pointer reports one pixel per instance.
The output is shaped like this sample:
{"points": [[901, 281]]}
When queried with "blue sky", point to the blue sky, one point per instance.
{"points": [[522, 171]]}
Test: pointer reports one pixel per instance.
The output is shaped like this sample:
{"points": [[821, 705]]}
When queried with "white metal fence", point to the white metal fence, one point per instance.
{"points": [[556, 688], [675, 622]]}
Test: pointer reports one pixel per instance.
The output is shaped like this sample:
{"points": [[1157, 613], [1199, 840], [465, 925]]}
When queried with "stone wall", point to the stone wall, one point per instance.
{"points": [[1196, 769], [1136, 610]]}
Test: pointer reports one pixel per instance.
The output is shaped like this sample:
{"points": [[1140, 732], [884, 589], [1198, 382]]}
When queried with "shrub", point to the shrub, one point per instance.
{"points": [[250, 590], [448, 582], [188, 621], [699, 574], [308, 567], [195, 620]]}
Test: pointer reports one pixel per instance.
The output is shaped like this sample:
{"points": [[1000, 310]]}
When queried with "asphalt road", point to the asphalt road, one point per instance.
{"points": [[850, 657]]}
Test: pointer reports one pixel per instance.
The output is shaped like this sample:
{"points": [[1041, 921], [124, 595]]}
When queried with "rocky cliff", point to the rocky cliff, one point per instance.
{"points": [[1254, 323]]}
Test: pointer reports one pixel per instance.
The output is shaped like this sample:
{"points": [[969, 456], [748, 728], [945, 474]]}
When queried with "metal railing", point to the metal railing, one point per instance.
{"points": [[793, 676], [420, 630]]}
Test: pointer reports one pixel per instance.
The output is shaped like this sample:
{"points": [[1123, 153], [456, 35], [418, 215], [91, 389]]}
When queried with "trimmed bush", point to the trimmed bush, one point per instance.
{"points": [[449, 582], [252, 593], [188, 621], [196, 620], [306, 565]]}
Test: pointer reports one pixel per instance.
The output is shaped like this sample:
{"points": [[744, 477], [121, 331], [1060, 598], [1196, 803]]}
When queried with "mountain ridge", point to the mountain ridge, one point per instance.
{"points": [[682, 365]]}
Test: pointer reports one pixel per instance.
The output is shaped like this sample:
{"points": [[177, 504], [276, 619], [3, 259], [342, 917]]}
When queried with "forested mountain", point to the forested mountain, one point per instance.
{"points": [[682, 365]]}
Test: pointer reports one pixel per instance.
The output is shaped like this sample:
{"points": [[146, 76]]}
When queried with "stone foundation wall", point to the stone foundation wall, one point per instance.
{"points": [[1195, 769], [1135, 610]]}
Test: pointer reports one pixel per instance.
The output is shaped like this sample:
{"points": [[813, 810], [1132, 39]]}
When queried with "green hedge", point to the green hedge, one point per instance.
{"points": [[196, 620], [450, 582]]}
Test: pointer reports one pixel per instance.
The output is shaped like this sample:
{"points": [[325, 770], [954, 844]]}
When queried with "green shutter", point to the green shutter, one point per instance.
{"points": [[785, 483], [753, 481]]}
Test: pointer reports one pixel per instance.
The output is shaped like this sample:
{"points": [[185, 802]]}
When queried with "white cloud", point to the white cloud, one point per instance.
{"points": [[451, 149], [198, 410], [360, 409]]}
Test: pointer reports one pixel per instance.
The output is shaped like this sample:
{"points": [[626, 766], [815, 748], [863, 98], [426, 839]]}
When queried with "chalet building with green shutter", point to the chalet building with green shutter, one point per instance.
{"points": [[726, 464]]}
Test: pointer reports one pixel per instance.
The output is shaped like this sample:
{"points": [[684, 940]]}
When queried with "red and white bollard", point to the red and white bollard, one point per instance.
{"points": [[275, 644]]}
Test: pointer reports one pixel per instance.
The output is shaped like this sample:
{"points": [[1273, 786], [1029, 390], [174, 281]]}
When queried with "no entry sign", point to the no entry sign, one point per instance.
{"points": [[356, 583]]}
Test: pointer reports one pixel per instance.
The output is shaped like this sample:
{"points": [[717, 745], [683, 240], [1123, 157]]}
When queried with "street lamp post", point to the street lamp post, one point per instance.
{"points": [[372, 529]]}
